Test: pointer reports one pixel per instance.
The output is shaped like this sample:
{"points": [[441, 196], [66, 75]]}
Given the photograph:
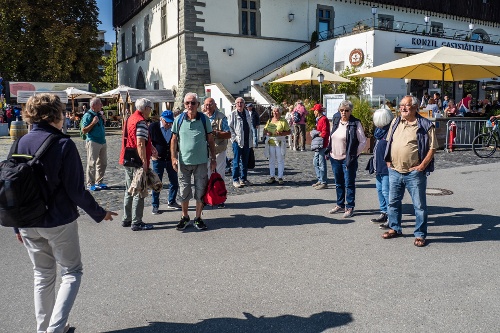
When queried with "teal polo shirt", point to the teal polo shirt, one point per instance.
{"points": [[97, 133], [192, 140]]}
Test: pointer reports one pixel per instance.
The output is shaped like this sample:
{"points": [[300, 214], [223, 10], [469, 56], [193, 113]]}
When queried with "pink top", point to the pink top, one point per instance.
{"points": [[339, 141], [303, 113]]}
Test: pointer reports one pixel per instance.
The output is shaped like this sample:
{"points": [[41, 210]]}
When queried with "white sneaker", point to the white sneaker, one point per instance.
{"points": [[236, 184]]}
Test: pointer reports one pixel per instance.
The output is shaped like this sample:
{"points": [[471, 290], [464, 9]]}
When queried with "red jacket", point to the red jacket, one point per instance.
{"points": [[323, 126], [132, 137]]}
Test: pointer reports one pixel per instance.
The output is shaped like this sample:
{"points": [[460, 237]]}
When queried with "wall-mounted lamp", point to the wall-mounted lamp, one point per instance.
{"points": [[291, 17], [471, 26], [230, 51], [483, 86], [427, 20], [435, 84], [460, 85], [407, 81]]}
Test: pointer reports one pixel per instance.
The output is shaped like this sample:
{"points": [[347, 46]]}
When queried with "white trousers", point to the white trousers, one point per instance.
{"points": [[47, 248], [275, 156]]}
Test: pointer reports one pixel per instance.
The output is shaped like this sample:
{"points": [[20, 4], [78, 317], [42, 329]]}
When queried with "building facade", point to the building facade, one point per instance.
{"points": [[186, 44]]}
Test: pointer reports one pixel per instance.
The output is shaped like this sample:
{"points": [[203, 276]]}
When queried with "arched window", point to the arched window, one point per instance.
{"points": [[141, 81]]}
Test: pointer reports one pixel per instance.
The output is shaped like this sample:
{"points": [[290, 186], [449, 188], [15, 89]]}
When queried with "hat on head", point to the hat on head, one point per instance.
{"points": [[249, 104], [168, 116], [317, 107]]}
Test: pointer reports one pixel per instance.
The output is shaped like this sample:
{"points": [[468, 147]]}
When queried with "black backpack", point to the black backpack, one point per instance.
{"points": [[296, 117], [22, 200]]}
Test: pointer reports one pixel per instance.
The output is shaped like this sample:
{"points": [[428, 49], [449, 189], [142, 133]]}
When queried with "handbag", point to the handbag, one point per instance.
{"points": [[131, 156], [251, 159]]}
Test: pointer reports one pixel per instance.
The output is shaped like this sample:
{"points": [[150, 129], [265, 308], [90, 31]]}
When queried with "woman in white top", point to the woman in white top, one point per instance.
{"points": [[347, 141]]}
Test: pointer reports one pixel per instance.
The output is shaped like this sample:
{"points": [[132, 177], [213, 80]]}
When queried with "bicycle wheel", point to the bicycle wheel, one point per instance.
{"points": [[484, 145]]}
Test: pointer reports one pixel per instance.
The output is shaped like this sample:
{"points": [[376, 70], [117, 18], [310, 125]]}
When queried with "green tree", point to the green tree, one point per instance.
{"points": [[355, 87], [47, 41], [108, 80]]}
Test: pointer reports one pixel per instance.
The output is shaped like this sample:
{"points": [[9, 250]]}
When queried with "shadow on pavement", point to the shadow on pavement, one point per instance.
{"points": [[316, 323], [488, 228]]}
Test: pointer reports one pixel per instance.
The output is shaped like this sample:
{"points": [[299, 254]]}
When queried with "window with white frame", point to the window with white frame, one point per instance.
{"points": [[324, 20]]}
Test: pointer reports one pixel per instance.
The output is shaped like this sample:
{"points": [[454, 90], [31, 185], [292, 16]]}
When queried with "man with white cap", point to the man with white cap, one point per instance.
{"points": [[160, 133]]}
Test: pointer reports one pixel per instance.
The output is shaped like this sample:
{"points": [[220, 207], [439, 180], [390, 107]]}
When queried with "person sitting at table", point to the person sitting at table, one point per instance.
{"points": [[451, 110], [433, 107]]}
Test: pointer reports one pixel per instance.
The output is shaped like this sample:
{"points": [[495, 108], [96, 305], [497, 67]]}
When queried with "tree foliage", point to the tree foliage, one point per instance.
{"points": [[355, 87], [108, 80], [49, 41]]}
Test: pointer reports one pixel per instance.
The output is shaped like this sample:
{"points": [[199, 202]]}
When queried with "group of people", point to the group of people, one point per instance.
{"points": [[189, 148]]}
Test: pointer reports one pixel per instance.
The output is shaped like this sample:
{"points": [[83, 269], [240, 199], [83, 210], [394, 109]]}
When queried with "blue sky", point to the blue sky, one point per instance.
{"points": [[106, 17]]}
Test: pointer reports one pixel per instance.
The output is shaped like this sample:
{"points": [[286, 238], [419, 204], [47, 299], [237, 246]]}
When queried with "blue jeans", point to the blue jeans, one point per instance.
{"points": [[382, 184], [240, 162], [255, 134], [416, 183], [345, 178], [319, 163], [159, 167]]}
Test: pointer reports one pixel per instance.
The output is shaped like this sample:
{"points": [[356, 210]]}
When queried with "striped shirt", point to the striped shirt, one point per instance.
{"points": [[142, 130]]}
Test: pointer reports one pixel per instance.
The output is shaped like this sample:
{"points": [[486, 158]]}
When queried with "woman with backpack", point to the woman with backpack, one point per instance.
{"points": [[54, 240], [299, 124]]}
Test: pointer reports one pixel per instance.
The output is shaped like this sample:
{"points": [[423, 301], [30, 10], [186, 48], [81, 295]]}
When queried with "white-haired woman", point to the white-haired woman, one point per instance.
{"points": [[276, 131], [382, 119], [347, 141]]}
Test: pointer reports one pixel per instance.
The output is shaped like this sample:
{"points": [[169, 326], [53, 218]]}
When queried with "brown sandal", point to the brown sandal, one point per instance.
{"points": [[391, 234], [419, 242]]}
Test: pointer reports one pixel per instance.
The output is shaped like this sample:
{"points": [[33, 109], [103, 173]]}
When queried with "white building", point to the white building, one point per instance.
{"points": [[228, 47]]}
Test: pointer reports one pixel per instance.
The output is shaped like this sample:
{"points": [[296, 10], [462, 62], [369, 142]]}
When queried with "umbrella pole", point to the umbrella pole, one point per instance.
{"points": [[442, 82]]}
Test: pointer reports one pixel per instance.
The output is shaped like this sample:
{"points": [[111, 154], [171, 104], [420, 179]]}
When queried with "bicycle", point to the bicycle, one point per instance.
{"points": [[485, 144]]}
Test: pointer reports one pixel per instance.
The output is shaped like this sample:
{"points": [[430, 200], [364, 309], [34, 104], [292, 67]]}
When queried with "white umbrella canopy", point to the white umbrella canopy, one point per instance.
{"points": [[115, 92], [310, 76], [74, 93], [444, 63]]}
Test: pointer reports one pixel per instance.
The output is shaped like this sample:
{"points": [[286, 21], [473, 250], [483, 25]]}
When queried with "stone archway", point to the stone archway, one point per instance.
{"points": [[140, 82]]}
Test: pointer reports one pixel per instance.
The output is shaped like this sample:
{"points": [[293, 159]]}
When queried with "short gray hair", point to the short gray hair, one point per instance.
{"points": [[142, 103], [277, 107], [345, 103], [94, 101], [414, 100], [382, 117], [192, 94]]}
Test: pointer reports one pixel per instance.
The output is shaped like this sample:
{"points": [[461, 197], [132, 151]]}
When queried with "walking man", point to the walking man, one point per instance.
{"points": [[97, 157], [137, 136], [160, 133], [411, 145], [192, 133], [240, 126]]}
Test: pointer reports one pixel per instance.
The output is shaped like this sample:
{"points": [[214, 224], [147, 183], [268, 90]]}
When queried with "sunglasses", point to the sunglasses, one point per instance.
{"points": [[192, 103], [344, 110]]}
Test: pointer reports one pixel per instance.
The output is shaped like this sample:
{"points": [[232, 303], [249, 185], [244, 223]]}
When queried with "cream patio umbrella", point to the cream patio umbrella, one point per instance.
{"points": [[444, 64], [74, 93], [310, 76]]}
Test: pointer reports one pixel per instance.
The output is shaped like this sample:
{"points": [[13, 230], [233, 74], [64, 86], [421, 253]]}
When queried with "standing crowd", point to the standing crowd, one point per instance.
{"points": [[192, 146]]}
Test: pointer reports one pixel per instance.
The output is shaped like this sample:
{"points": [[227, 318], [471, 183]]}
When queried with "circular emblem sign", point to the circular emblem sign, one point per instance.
{"points": [[356, 57]]}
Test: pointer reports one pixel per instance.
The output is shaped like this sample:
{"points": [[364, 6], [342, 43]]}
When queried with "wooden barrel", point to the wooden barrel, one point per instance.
{"points": [[18, 129]]}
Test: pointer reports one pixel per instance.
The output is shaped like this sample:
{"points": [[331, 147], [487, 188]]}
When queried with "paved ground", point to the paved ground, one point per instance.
{"points": [[275, 261]]}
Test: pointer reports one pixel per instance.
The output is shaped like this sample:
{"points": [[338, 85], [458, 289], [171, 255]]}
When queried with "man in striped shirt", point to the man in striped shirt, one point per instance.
{"points": [[137, 136]]}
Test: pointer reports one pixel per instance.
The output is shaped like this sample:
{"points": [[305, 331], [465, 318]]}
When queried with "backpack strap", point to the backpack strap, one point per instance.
{"points": [[199, 116], [51, 139]]}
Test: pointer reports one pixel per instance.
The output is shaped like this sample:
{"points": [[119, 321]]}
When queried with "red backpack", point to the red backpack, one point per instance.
{"points": [[216, 190]]}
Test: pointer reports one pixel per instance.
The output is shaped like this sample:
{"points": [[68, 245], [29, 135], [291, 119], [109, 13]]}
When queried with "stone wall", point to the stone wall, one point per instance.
{"points": [[194, 64]]}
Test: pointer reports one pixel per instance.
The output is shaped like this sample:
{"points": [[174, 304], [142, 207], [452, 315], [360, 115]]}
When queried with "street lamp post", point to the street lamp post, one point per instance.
{"points": [[321, 78], [426, 19], [471, 27]]}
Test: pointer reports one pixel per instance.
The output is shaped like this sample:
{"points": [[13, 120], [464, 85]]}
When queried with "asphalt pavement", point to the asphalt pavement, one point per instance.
{"points": [[275, 261]]}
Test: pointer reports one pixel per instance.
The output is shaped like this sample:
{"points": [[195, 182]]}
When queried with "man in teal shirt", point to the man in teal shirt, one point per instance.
{"points": [[191, 134], [97, 157]]}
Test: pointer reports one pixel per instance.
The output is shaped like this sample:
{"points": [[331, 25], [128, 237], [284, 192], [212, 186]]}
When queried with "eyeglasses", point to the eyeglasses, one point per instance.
{"points": [[240, 102], [344, 110], [405, 105], [192, 103]]}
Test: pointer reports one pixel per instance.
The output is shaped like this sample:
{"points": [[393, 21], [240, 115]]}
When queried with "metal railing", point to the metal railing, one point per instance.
{"points": [[410, 28], [277, 63], [466, 131]]}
